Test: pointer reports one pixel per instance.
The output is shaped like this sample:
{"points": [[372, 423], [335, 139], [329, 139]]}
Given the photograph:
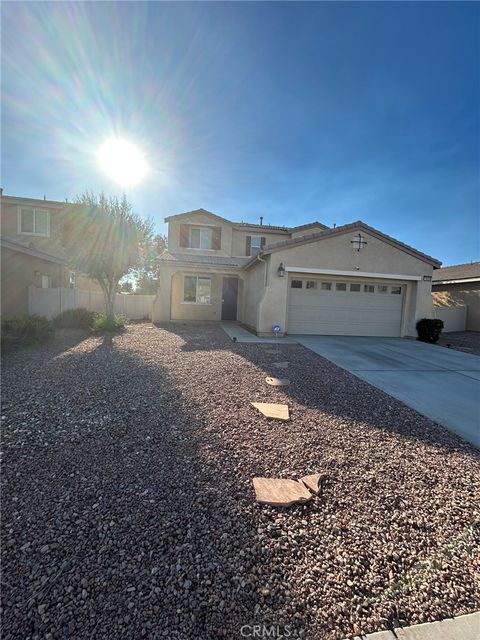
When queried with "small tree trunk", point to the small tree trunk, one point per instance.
{"points": [[110, 309]]}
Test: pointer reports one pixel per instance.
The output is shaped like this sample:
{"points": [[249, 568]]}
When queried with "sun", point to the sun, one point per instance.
{"points": [[122, 161]]}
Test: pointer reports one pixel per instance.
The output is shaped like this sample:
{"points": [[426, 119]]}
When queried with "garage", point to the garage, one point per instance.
{"points": [[324, 306]]}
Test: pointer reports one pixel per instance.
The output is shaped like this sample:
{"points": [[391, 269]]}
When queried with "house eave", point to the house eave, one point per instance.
{"points": [[455, 281], [30, 251]]}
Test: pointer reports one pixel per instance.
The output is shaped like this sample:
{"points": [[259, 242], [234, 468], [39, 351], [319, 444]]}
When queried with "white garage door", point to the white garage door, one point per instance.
{"points": [[348, 308]]}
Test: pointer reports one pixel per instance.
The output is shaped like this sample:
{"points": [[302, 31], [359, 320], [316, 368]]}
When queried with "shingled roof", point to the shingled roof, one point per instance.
{"points": [[467, 271]]}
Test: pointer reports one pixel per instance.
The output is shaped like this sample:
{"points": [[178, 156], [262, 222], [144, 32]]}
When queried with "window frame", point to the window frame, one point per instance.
{"points": [[337, 284], [197, 278], [396, 286], [313, 283], [35, 211], [200, 230], [382, 289], [355, 284], [254, 246], [296, 280], [367, 288]]}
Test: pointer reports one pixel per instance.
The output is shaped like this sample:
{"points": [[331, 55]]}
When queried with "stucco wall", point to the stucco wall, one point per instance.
{"points": [[201, 220], [239, 239], [336, 253], [9, 227], [254, 290], [18, 272], [466, 294]]}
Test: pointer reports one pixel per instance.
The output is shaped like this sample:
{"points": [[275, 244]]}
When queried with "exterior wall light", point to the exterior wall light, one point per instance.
{"points": [[281, 270], [358, 242]]}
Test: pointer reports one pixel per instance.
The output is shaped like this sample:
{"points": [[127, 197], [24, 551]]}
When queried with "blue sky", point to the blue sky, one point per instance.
{"points": [[294, 111]]}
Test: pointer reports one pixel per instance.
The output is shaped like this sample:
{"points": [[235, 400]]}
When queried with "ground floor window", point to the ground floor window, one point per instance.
{"points": [[197, 290]]}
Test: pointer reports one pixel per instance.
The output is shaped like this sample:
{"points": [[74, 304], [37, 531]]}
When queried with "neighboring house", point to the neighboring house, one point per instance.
{"points": [[31, 251], [459, 285], [349, 280]]}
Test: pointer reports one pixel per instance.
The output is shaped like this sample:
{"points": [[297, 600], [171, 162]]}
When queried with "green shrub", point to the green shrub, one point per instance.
{"points": [[429, 329], [75, 319], [26, 331], [100, 322]]}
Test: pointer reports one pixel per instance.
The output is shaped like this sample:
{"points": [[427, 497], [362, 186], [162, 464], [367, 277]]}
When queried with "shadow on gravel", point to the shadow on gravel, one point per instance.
{"points": [[65, 339], [341, 396], [122, 514]]}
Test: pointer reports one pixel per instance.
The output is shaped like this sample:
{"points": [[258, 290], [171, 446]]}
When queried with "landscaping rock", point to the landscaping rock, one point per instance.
{"points": [[277, 382], [158, 430]]}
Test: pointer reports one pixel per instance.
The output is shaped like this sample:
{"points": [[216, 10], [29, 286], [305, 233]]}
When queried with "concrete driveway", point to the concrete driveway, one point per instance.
{"points": [[441, 383]]}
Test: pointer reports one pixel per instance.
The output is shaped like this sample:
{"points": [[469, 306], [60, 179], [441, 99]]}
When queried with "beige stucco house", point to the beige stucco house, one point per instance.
{"points": [[31, 251], [348, 280], [459, 286]]}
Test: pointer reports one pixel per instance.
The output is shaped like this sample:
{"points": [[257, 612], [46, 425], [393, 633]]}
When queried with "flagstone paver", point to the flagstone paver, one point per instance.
{"points": [[277, 411], [279, 492]]}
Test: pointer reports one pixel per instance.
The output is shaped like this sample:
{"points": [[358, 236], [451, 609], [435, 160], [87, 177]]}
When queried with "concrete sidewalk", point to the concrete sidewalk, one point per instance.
{"points": [[462, 628], [235, 330]]}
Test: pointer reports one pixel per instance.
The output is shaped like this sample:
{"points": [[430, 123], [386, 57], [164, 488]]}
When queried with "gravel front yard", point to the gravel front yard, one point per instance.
{"points": [[466, 341], [128, 508]]}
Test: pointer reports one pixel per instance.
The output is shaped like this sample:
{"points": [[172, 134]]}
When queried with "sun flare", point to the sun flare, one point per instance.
{"points": [[122, 161]]}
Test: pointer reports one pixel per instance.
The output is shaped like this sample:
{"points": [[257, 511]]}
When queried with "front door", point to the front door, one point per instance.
{"points": [[229, 298]]}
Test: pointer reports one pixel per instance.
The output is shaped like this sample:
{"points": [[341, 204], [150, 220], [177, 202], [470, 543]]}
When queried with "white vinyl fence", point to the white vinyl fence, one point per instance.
{"points": [[51, 302], [454, 318]]}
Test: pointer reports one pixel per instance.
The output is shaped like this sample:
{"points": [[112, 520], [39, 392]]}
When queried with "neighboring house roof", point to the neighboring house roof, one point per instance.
{"points": [[218, 261], [309, 225], [31, 250], [34, 201], [469, 271], [347, 228], [243, 225]]}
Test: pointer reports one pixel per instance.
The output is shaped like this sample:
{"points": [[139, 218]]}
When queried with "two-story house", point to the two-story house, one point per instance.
{"points": [[32, 252], [311, 279]]}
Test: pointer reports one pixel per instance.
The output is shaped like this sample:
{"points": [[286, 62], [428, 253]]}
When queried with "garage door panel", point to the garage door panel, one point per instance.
{"points": [[316, 311]]}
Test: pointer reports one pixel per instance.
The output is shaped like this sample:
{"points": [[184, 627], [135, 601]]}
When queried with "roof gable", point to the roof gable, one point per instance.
{"points": [[348, 228], [203, 212]]}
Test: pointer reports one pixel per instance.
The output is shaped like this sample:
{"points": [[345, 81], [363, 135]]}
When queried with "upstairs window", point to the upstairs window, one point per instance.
{"points": [[254, 244], [34, 222], [201, 238]]}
